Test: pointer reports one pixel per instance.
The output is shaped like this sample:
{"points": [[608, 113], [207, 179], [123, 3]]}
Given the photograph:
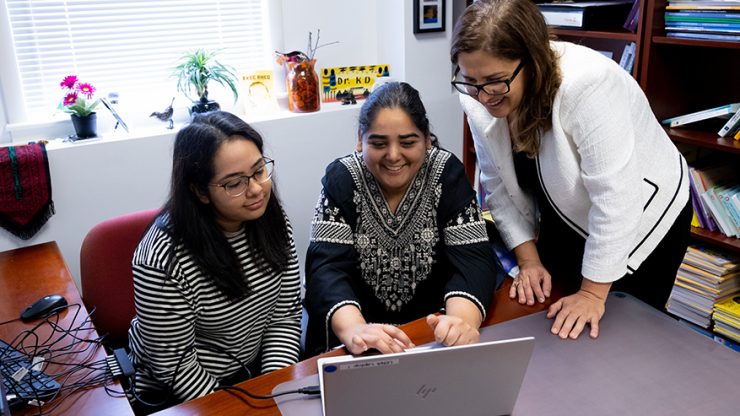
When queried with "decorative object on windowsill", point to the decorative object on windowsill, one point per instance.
{"points": [[195, 70], [78, 102], [337, 83], [165, 115], [302, 81], [25, 189]]}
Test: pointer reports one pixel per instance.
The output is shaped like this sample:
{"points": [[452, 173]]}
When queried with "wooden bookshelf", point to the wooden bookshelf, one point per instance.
{"points": [[622, 35], [716, 238], [704, 43], [705, 139], [681, 76]]}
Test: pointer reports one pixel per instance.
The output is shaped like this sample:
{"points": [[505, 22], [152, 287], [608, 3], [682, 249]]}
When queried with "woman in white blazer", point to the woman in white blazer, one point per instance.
{"points": [[583, 183]]}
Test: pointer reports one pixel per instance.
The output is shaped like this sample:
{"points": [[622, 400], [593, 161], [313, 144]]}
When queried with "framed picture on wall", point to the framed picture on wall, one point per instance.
{"points": [[429, 16]]}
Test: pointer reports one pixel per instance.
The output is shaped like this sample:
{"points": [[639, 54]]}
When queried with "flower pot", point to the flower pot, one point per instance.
{"points": [[204, 106], [85, 127], [303, 87]]}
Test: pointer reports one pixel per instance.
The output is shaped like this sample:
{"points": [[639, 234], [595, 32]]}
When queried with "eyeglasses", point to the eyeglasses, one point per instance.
{"points": [[238, 186], [499, 87]]}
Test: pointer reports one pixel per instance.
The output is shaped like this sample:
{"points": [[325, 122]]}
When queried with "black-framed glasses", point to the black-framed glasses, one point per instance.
{"points": [[499, 87], [236, 187]]}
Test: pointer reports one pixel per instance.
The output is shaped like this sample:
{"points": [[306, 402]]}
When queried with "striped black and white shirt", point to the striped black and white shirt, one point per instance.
{"points": [[182, 317]]}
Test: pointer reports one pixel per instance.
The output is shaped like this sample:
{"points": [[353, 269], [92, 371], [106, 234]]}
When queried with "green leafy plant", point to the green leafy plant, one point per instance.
{"points": [[74, 101], [197, 68]]}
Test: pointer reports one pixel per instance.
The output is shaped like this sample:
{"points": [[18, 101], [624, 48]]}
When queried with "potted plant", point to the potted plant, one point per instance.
{"points": [[195, 70], [78, 102]]}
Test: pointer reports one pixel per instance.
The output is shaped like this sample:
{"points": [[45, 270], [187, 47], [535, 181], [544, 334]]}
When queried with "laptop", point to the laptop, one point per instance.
{"points": [[4, 406], [476, 379]]}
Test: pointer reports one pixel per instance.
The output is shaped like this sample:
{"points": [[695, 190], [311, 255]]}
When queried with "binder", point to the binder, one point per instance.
{"points": [[606, 14]]}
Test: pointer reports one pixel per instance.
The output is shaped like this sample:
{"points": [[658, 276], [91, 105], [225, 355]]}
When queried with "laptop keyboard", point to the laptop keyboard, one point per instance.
{"points": [[33, 385]]}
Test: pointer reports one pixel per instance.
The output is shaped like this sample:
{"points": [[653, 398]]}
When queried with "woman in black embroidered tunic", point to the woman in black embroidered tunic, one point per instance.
{"points": [[397, 235]]}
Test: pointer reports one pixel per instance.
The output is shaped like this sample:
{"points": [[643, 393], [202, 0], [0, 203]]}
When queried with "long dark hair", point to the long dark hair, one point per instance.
{"points": [[515, 29], [396, 95], [193, 223]]}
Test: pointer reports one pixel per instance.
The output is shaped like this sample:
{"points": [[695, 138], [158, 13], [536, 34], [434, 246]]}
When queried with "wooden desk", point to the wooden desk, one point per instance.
{"points": [[27, 274], [228, 403]]}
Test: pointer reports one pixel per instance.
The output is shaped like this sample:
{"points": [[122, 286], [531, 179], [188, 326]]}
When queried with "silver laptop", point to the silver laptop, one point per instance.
{"points": [[477, 379]]}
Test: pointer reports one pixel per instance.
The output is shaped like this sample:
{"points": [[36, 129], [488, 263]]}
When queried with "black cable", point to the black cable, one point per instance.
{"points": [[77, 369], [303, 390], [12, 320]]}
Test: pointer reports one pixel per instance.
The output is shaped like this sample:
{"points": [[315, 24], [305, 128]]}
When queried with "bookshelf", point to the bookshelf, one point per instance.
{"points": [[679, 76]]}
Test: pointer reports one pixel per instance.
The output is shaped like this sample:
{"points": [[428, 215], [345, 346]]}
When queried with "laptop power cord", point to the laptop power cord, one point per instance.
{"points": [[310, 390]]}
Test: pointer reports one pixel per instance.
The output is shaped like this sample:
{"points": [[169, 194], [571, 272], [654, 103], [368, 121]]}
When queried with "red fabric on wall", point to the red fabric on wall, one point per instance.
{"points": [[25, 189]]}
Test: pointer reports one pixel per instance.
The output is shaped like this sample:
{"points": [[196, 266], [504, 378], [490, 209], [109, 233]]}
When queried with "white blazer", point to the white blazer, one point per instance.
{"points": [[607, 166]]}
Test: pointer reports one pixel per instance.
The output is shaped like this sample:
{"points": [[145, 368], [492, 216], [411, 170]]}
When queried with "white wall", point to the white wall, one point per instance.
{"points": [[98, 180]]}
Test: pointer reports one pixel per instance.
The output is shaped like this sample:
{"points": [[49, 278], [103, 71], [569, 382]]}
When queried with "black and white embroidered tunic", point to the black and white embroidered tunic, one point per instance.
{"points": [[395, 267]]}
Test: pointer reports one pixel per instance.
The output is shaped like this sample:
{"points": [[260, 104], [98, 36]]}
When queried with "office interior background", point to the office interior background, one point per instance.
{"points": [[122, 173]]}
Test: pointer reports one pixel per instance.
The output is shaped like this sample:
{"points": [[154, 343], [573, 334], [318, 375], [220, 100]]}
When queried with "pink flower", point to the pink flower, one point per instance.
{"points": [[70, 99], [69, 82], [86, 89]]}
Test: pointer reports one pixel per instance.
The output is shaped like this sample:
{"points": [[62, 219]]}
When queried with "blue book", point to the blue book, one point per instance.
{"points": [[704, 25], [705, 36], [702, 115]]}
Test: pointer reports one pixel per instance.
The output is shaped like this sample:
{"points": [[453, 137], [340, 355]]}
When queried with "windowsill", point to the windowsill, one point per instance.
{"points": [[56, 130]]}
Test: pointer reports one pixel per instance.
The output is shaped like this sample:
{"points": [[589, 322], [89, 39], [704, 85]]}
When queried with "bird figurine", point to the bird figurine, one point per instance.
{"points": [[166, 115]]}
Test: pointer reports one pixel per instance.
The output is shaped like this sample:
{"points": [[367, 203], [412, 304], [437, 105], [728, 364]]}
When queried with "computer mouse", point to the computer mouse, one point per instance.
{"points": [[44, 307]]}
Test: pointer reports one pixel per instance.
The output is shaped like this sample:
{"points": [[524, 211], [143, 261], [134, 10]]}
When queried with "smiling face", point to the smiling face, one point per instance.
{"points": [[480, 67], [237, 157], [393, 149]]}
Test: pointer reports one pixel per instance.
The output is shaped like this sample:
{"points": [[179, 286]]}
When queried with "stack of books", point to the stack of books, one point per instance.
{"points": [[715, 196], [703, 19], [705, 278], [727, 318]]}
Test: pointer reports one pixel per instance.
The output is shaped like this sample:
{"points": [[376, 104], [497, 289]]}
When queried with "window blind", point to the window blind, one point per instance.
{"points": [[128, 46]]}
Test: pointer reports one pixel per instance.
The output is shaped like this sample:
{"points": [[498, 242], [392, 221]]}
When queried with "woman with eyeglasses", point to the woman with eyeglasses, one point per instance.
{"points": [[583, 183], [216, 278], [397, 235]]}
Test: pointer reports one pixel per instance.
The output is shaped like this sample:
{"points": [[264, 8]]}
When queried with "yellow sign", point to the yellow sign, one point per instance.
{"points": [[338, 83], [257, 89]]}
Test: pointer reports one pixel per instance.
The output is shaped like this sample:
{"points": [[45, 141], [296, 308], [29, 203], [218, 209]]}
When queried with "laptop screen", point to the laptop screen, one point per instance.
{"points": [[486, 377]]}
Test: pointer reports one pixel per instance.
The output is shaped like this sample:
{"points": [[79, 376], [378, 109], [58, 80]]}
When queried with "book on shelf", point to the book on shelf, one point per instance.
{"points": [[703, 16], [727, 317], [605, 14], [704, 36], [702, 115], [732, 125], [705, 221], [703, 5], [704, 175], [719, 212], [628, 56], [704, 29], [725, 195], [633, 17]]}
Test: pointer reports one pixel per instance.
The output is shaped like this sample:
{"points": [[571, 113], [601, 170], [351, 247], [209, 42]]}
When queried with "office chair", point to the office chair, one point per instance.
{"points": [[106, 274]]}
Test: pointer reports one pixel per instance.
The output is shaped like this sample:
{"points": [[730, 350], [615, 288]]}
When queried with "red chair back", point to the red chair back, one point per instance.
{"points": [[106, 275]]}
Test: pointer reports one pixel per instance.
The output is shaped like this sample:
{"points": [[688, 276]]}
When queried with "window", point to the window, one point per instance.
{"points": [[125, 46]]}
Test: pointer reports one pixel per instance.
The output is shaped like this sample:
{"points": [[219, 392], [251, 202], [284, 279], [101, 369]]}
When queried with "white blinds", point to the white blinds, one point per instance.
{"points": [[128, 46]]}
